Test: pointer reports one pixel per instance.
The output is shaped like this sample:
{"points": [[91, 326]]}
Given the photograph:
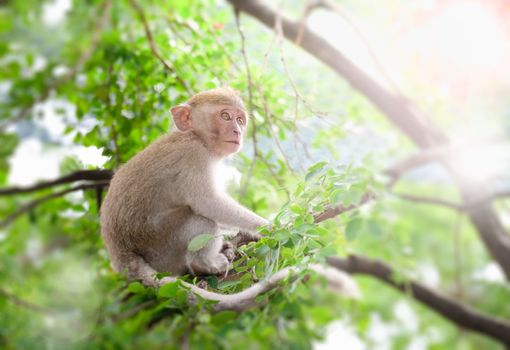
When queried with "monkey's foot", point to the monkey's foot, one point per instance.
{"points": [[218, 265], [203, 284], [228, 251]]}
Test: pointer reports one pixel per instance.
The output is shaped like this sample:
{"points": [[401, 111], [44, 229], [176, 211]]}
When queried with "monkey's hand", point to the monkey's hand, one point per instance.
{"points": [[228, 250], [244, 237]]}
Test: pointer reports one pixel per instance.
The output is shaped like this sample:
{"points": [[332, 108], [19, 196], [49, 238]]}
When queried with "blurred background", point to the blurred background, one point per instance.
{"points": [[396, 112]]}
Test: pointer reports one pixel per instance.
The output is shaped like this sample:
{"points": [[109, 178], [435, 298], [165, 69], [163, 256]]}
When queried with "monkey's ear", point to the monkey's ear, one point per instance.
{"points": [[182, 116]]}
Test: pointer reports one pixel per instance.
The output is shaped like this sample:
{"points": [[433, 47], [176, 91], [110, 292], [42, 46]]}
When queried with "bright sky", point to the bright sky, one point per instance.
{"points": [[455, 52]]}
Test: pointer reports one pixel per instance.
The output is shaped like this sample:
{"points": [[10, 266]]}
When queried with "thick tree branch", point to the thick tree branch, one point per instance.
{"points": [[460, 314], [399, 110]]}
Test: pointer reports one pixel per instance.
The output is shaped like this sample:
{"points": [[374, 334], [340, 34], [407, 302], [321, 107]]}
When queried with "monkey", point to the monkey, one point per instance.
{"points": [[171, 192]]}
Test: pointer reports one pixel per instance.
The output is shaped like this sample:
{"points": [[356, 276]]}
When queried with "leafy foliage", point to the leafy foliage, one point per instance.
{"points": [[96, 70]]}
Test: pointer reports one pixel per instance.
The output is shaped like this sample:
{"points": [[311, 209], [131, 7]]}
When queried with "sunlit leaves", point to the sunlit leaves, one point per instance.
{"points": [[121, 95], [169, 290]]}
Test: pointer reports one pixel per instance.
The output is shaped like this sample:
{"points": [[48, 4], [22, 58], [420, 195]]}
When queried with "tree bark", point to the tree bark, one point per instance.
{"points": [[460, 314]]}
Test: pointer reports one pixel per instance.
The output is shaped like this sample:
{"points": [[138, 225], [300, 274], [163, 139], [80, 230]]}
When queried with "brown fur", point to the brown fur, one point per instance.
{"points": [[219, 96]]}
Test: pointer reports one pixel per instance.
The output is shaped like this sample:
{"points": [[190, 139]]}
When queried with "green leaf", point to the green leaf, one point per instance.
{"points": [[304, 228], [327, 251], [315, 169], [313, 244], [223, 317], [353, 228], [200, 241], [281, 235], [317, 166], [296, 209], [262, 251], [168, 290], [212, 281], [337, 196], [226, 284], [136, 288]]}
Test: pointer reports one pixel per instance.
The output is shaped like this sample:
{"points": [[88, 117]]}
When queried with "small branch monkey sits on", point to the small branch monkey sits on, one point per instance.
{"points": [[170, 192]]}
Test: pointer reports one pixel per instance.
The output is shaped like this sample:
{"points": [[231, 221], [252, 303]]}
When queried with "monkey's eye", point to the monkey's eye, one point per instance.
{"points": [[225, 116], [240, 121]]}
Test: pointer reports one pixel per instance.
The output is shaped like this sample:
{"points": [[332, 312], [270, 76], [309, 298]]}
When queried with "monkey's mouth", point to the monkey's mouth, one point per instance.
{"points": [[235, 142]]}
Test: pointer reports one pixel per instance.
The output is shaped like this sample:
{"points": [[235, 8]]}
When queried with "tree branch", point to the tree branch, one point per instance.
{"points": [[399, 110], [452, 205], [337, 9], [247, 298], [154, 49], [460, 314], [31, 205], [431, 200], [23, 303], [340, 209], [80, 175]]}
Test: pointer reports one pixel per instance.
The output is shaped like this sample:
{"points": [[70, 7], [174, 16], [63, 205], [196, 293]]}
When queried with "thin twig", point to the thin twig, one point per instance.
{"points": [[430, 200], [154, 49], [445, 154], [298, 95], [256, 154], [457, 252], [25, 304], [445, 203], [249, 77], [31, 205], [240, 30], [340, 209], [80, 175], [275, 176], [269, 119], [114, 135]]}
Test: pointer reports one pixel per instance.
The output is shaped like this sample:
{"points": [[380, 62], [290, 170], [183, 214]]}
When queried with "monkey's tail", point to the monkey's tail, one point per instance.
{"points": [[339, 281], [137, 269]]}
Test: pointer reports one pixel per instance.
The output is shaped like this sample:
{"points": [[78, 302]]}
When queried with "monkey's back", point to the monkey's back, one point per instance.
{"points": [[147, 184]]}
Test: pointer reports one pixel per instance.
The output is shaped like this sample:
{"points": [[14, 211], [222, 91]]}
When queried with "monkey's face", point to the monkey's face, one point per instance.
{"points": [[224, 129], [228, 125]]}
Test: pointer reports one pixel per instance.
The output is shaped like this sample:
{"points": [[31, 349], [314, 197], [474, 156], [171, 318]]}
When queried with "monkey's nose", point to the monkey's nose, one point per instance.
{"points": [[236, 131]]}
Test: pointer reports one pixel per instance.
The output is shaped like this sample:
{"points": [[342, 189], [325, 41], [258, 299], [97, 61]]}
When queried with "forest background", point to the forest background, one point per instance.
{"points": [[378, 144]]}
